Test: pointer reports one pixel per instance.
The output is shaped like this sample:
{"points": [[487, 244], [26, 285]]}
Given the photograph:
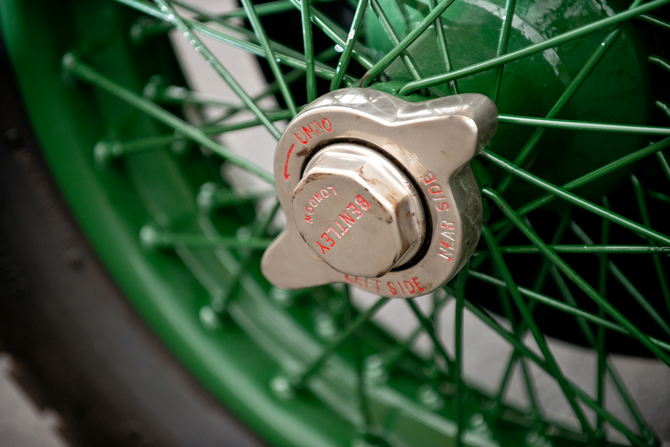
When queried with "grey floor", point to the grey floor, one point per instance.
{"points": [[22, 424]]}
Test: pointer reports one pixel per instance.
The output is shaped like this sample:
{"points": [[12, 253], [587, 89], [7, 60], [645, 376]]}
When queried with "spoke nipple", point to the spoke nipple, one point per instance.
{"points": [[207, 196], [104, 152], [375, 371], [282, 388], [180, 147], [69, 62], [282, 296], [430, 397], [155, 88], [325, 326], [209, 318], [535, 439], [150, 237]]}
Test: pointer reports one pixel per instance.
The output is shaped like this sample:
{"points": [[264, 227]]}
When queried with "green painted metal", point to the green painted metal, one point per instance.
{"points": [[256, 348], [510, 57]]}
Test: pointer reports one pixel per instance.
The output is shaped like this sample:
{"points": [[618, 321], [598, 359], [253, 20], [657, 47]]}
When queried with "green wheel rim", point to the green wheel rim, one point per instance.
{"points": [[307, 367]]}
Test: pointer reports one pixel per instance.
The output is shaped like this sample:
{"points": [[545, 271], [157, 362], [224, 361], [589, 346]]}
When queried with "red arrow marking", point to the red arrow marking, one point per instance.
{"points": [[288, 156]]}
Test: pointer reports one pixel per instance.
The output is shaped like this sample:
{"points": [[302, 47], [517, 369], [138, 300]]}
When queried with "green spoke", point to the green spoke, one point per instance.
{"points": [[565, 97], [532, 49], [270, 57], [201, 48], [88, 74], [629, 287], [146, 28], [576, 200], [461, 280], [655, 21], [212, 196], [503, 40], [535, 330], [397, 50], [574, 277], [664, 163], [308, 44], [657, 60], [301, 380], [335, 33], [623, 249], [443, 47], [273, 87], [537, 287], [583, 125], [152, 238], [259, 229], [393, 357], [600, 341], [106, 151], [658, 196], [664, 107], [644, 212], [352, 38], [603, 362], [291, 58], [394, 38], [427, 326], [591, 176], [363, 404], [173, 94], [526, 352]]}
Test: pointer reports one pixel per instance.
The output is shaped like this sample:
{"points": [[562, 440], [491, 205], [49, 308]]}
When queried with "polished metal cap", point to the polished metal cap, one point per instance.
{"points": [[378, 192], [357, 211]]}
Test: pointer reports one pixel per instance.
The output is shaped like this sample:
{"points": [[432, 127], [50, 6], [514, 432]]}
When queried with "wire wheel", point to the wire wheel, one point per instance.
{"points": [[575, 186]]}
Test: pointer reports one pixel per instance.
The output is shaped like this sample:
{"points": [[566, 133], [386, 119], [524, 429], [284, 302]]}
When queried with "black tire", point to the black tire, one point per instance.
{"points": [[80, 348]]}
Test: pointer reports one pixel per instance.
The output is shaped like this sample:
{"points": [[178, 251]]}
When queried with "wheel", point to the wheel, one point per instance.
{"points": [[176, 222]]}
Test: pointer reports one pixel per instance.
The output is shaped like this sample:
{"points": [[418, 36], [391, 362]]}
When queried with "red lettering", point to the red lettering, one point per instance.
{"points": [[308, 219], [408, 284], [323, 248], [427, 180], [313, 202], [300, 139], [324, 193], [418, 284], [347, 219], [326, 125], [318, 197], [447, 225], [444, 255], [308, 131], [308, 209], [435, 189], [442, 206], [333, 230], [317, 127], [400, 285], [357, 214], [446, 244], [391, 288], [348, 279], [362, 203], [332, 189], [358, 281], [343, 230], [377, 284]]}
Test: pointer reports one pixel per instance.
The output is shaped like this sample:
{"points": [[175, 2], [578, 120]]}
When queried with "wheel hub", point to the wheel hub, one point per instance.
{"points": [[378, 192]]}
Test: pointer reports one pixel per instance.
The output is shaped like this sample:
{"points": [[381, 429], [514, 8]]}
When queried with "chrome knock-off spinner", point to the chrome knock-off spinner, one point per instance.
{"points": [[378, 192]]}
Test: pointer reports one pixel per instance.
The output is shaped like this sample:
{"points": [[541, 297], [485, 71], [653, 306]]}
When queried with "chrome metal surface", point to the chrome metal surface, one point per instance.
{"points": [[357, 211], [378, 192]]}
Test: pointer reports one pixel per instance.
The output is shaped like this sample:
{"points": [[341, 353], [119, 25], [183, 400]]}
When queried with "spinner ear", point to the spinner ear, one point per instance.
{"points": [[378, 192]]}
